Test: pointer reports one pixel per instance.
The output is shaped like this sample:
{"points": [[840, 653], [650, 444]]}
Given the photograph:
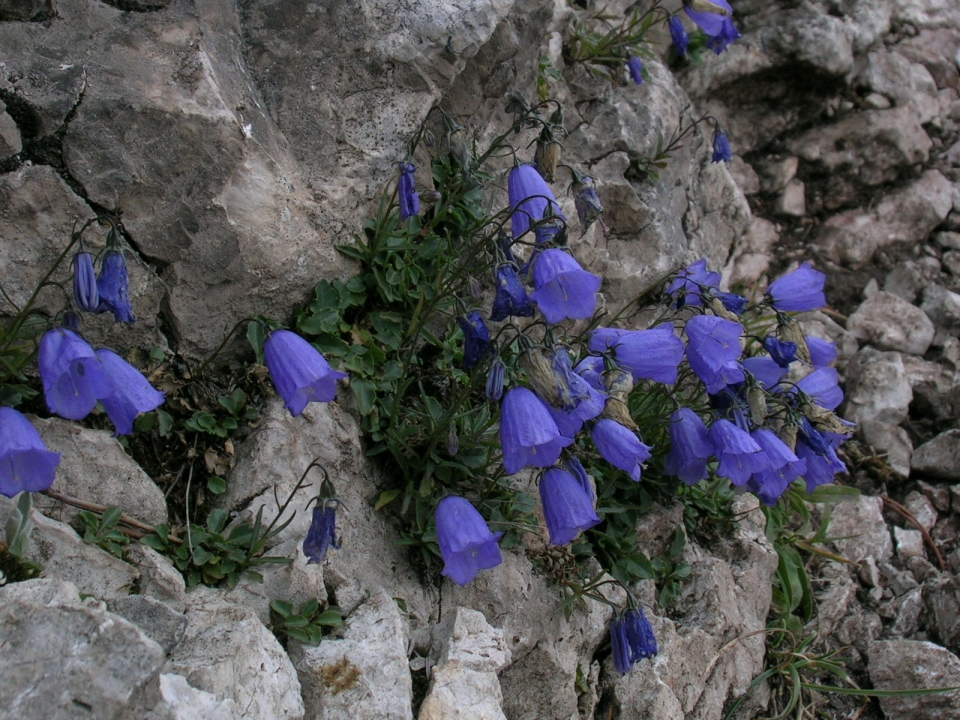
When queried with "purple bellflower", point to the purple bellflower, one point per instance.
{"points": [[588, 203], [407, 194], [530, 197], [732, 302], [691, 284], [591, 370], [511, 298], [114, 287], [782, 352], [722, 151], [798, 291], [494, 387], [466, 544], [563, 289], [713, 351], [322, 534], [129, 393], [822, 385], [528, 435], [567, 507], [620, 446], [25, 462], [690, 447], [476, 338], [72, 375], [575, 468], [820, 452], [766, 370], [785, 467], [718, 27], [636, 69], [822, 352], [654, 354], [631, 640], [678, 33], [85, 282], [299, 371], [740, 455], [569, 422]]}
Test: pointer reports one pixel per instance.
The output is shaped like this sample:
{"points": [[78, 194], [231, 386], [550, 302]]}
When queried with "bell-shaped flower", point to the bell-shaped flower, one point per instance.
{"points": [[690, 447], [766, 370], [820, 452], [798, 291], [113, 285], [563, 289], [822, 352], [407, 194], [72, 375], [739, 454], [25, 462], [591, 369], [784, 467], [654, 354], [129, 392], [691, 284], [494, 387], [322, 534], [713, 351], [721, 147], [299, 371], [528, 435], [678, 34], [569, 422], [732, 302], [575, 467], [466, 544], [717, 26], [823, 386], [511, 298], [85, 282], [631, 639], [587, 202], [551, 376], [636, 69], [567, 508], [530, 197], [782, 352], [476, 338], [620, 446]]}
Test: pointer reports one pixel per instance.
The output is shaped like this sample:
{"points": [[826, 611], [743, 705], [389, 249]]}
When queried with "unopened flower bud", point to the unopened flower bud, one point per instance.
{"points": [[757, 401], [546, 157], [495, 380], [453, 442], [85, 282]]}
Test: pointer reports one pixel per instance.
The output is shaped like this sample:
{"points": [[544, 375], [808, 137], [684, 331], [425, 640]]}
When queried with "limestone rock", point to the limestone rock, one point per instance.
{"points": [[877, 388], [861, 530], [157, 621], [889, 322], [908, 278], [363, 676], [751, 255], [25, 10], [467, 638], [61, 660], [159, 579], [909, 543], [922, 509], [940, 457], [889, 439], [943, 308], [906, 83], [10, 143], [791, 200], [226, 651], [935, 388], [910, 664], [178, 701]]}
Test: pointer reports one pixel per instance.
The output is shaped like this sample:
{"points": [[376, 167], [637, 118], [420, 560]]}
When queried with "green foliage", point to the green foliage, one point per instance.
{"points": [[306, 625], [102, 530], [603, 42], [222, 424], [212, 554], [14, 567]]}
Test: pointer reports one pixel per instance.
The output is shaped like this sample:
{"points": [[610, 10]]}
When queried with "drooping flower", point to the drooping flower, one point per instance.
{"points": [[528, 435], [591, 370], [765, 369], [587, 202], [798, 291], [494, 387], [114, 287], [407, 194], [713, 351], [691, 284], [566, 506], [636, 69], [511, 298], [782, 352], [690, 447], [73, 377], [322, 534], [569, 422], [654, 354], [739, 454], [620, 446], [530, 197], [823, 386], [632, 639], [583, 477], [129, 392], [563, 289], [721, 147], [822, 352], [25, 462], [784, 467], [679, 36], [466, 544], [820, 452], [476, 338], [732, 302], [85, 282], [717, 26], [299, 371], [551, 376]]}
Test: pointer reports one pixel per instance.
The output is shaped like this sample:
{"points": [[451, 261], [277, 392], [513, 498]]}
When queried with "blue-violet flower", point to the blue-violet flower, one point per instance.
{"points": [[300, 373], [631, 640], [73, 377], [407, 194], [691, 284], [713, 351], [636, 69], [739, 454], [114, 287], [690, 447], [511, 298], [654, 354], [722, 151], [566, 506], [85, 282], [25, 462], [783, 352], [678, 33], [129, 392], [528, 435], [530, 196], [476, 338], [563, 289], [322, 534], [798, 291], [466, 544], [620, 446]]}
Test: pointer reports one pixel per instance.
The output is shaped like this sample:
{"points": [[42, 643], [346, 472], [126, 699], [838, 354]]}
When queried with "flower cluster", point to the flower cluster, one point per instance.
{"points": [[108, 291]]}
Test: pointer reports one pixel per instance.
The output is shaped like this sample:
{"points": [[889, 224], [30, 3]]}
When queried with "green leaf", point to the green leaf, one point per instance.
{"points": [[295, 621], [256, 337], [165, 422], [216, 521], [110, 517], [386, 497], [352, 251], [833, 493], [234, 402], [216, 485], [330, 618], [366, 393], [298, 634]]}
